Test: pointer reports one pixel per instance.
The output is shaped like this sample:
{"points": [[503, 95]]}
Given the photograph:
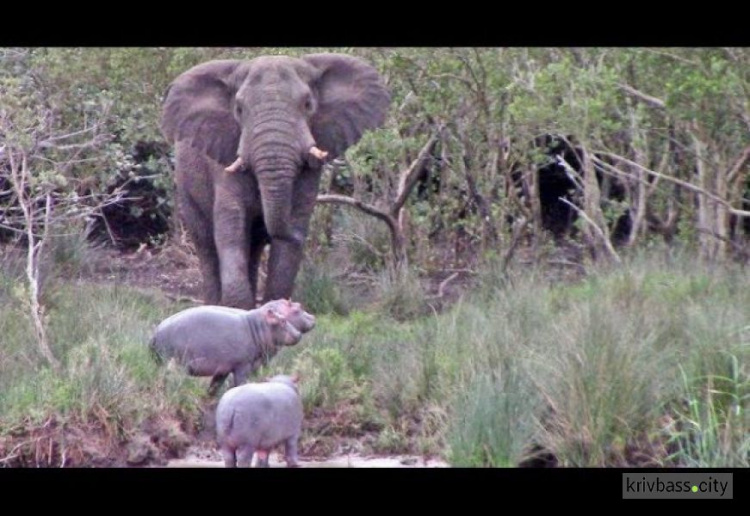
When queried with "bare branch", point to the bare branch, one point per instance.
{"points": [[397, 242], [671, 56], [49, 141], [409, 176], [443, 284], [355, 203], [72, 146], [685, 184], [648, 99], [741, 162], [572, 173], [607, 244]]}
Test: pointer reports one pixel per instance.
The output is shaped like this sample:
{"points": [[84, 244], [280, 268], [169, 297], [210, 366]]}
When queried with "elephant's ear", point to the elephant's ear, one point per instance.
{"points": [[197, 108], [352, 98]]}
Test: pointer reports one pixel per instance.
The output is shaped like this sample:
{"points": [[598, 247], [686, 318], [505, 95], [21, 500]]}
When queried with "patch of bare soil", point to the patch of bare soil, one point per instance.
{"points": [[93, 443], [203, 456], [173, 269]]}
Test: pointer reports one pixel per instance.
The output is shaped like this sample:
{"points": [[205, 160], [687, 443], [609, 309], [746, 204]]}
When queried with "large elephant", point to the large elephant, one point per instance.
{"points": [[251, 137]]}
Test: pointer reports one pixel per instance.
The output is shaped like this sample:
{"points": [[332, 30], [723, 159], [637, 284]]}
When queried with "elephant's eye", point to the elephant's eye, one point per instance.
{"points": [[238, 110], [308, 105]]}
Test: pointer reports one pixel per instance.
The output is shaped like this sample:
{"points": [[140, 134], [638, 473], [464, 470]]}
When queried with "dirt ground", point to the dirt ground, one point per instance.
{"points": [[173, 269], [206, 456]]}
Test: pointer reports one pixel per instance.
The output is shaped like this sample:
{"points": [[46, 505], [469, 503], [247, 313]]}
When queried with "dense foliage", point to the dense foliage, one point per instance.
{"points": [[665, 131]]}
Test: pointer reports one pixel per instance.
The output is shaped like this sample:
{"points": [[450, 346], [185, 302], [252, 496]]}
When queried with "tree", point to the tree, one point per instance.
{"points": [[36, 157]]}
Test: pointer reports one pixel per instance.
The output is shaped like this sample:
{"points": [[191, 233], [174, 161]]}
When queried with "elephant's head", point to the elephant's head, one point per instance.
{"points": [[273, 116]]}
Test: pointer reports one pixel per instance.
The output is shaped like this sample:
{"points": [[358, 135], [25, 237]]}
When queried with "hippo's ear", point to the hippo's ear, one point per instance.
{"points": [[272, 317], [296, 378]]}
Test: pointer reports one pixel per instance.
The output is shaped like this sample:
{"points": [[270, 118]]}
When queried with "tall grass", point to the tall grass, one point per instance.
{"points": [[602, 372], [108, 378], [644, 364]]}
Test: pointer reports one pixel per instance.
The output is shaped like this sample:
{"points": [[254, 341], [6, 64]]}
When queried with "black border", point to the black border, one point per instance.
{"points": [[348, 489], [369, 24], [343, 26]]}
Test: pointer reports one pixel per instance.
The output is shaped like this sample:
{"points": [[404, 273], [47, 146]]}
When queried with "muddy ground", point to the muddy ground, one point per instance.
{"points": [[207, 456]]}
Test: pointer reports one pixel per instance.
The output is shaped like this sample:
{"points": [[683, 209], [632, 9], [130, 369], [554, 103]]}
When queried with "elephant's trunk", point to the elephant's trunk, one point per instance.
{"points": [[273, 150], [276, 189], [314, 151]]}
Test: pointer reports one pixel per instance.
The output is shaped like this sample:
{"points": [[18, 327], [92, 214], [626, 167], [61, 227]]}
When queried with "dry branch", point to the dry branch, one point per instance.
{"points": [[443, 284], [742, 162], [409, 176], [599, 231], [644, 97], [685, 184], [393, 216]]}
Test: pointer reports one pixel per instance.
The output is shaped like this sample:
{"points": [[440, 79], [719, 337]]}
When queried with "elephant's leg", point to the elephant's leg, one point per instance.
{"points": [[230, 235], [286, 255], [201, 233], [283, 266]]}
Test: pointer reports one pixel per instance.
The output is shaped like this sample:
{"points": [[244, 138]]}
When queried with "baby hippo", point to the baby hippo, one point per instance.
{"points": [[215, 341], [257, 417]]}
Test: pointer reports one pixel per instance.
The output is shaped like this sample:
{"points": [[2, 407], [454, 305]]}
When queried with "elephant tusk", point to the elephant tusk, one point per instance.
{"points": [[234, 167], [320, 154]]}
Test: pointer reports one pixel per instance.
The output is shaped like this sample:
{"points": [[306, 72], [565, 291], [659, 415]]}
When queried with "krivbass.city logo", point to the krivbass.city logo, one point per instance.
{"points": [[677, 485]]}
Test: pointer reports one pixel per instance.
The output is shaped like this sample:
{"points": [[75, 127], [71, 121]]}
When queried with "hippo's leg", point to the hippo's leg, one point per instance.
{"points": [[241, 373], [292, 461], [230, 460], [216, 382], [262, 458], [245, 456]]}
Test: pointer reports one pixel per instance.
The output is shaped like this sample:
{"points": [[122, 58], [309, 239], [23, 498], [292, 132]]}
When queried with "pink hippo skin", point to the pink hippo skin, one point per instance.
{"points": [[257, 417]]}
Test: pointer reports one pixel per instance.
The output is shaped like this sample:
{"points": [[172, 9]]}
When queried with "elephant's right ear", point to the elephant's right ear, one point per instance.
{"points": [[197, 109]]}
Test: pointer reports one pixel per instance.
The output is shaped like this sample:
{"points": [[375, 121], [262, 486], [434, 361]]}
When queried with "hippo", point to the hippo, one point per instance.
{"points": [[214, 340], [257, 417], [292, 311]]}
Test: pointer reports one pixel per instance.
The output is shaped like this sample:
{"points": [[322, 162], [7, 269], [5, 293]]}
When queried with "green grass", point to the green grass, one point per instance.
{"points": [[644, 364], [108, 378], [319, 292], [589, 371]]}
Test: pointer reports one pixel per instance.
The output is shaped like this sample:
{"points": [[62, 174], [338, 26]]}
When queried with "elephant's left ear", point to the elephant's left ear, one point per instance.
{"points": [[352, 98]]}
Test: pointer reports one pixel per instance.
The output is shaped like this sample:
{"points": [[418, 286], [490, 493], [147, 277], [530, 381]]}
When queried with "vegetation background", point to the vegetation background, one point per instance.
{"points": [[556, 273]]}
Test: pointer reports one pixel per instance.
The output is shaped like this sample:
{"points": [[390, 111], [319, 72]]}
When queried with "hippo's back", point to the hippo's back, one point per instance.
{"points": [[200, 330], [261, 414]]}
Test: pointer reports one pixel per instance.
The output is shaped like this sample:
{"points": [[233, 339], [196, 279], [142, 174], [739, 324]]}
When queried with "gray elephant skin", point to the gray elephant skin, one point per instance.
{"points": [[257, 417], [250, 140], [217, 340]]}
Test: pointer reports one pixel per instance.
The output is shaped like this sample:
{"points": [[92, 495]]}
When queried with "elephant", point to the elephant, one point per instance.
{"points": [[250, 140]]}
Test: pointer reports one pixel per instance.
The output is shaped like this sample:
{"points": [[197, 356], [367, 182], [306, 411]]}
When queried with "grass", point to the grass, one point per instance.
{"points": [[318, 290], [108, 380], [645, 364], [593, 372]]}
